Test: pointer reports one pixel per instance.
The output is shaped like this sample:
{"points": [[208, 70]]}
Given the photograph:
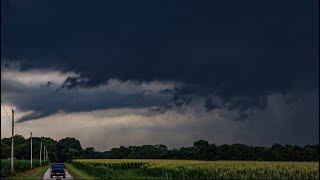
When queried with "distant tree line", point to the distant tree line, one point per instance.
{"points": [[58, 151], [70, 148]]}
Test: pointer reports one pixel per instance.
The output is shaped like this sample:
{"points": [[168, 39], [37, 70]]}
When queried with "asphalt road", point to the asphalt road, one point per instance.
{"points": [[47, 176]]}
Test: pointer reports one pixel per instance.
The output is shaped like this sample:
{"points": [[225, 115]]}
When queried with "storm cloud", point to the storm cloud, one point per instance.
{"points": [[29, 91], [240, 58]]}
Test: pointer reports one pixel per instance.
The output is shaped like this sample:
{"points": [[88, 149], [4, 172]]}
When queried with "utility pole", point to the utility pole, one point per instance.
{"points": [[44, 154], [40, 150], [31, 152], [12, 144], [47, 154]]}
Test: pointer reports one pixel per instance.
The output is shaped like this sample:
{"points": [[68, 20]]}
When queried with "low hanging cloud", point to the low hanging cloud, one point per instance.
{"points": [[108, 128], [151, 112], [44, 93]]}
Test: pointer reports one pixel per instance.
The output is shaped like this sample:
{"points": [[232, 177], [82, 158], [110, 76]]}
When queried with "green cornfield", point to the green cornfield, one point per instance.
{"points": [[189, 169], [19, 166]]}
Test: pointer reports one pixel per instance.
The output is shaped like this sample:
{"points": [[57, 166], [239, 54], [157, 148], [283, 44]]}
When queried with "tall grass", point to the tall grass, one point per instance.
{"points": [[19, 166]]}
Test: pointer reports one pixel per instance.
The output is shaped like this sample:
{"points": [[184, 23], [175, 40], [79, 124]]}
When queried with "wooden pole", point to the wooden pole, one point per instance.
{"points": [[31, 152], [44, 154], [12, 144], [40, 151]]}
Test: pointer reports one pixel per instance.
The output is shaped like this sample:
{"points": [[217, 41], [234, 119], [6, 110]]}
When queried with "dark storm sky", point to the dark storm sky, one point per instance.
{"points": [[229, 49]]}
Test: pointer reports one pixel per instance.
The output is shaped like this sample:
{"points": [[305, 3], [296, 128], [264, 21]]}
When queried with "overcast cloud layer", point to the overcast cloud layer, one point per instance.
{"points": [[228, 72]]}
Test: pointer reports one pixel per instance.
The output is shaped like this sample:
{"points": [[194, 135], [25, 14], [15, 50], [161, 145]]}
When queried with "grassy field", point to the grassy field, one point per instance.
{"points": [[19, 166], [185, 169], [77, 173], [35, 173]]}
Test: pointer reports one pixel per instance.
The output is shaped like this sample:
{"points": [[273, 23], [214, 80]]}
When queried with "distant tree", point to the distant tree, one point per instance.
{"points": [[257, 153], [63, 146], [212, 152], [266, 155], [223, 152], [148, 151], [73, 154], [278, 152], [70, 148], [89, 153], [120, 153], [173, 154], [5, 150], [311, 152], [162, 151], [187, 153], [19, 139], [240, 152], [203, 150]]}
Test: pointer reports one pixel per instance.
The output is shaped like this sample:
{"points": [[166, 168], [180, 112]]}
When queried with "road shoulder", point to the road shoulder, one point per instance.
{"points": [[78, 174]]}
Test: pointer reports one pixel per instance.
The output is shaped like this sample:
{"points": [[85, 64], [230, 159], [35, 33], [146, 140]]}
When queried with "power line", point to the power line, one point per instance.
{"points": [[21, 124], [9, 118], [6, 112], [17, 117], [17, 130], [6, 103]]}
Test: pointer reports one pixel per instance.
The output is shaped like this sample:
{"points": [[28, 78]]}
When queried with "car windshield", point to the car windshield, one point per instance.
{"points": [[57, 166]]}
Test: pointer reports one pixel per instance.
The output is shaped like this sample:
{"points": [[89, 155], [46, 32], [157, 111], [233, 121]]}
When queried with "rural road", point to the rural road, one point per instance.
{"points": [[47, 176]]}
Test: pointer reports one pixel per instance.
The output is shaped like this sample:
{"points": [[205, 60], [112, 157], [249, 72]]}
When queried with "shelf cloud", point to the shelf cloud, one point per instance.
{"points": [[253, 65]]}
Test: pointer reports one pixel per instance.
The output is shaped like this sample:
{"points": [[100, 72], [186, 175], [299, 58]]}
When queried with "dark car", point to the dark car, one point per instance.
{"points": [[57, 169]]}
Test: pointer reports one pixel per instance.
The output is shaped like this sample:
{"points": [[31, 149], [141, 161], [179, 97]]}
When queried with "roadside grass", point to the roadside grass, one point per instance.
{"points": [[116, 174], [35, 173], [78, 174]]}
